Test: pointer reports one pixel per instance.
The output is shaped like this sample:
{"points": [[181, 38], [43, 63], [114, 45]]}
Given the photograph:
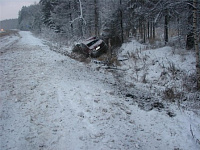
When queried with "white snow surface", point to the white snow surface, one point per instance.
{"points": [[51, 102], [157, 66]]}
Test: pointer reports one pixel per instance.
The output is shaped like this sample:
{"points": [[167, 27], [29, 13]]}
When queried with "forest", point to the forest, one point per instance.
{"points": [[9, 24], [146, 20]]}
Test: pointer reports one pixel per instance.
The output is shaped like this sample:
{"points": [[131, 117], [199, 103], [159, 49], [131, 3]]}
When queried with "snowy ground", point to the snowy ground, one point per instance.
{"points": [[167, 73], [49, 101]]}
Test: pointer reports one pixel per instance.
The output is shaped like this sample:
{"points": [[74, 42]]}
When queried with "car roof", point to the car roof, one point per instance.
{"points": [[96, 44], [87, 41]]}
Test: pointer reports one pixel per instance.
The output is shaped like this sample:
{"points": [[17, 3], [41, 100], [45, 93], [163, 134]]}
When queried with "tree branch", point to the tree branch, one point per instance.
{"points": [[81, 15]]}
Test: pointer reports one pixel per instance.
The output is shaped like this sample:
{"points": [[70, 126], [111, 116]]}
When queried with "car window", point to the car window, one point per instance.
{"points": [[83, 46], [91, 43]]}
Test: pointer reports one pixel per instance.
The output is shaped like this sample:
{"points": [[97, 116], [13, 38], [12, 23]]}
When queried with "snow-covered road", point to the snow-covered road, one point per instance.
{"points": [[49, 101]]}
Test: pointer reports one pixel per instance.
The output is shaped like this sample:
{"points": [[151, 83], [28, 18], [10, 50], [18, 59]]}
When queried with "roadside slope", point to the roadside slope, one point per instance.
{"points": [[51, 102]]}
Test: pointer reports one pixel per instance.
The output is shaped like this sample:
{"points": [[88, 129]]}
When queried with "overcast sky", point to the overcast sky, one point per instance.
{"points": [[9, 9]]}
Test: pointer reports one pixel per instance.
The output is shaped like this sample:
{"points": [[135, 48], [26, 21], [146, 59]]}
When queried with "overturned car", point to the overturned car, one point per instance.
{"points": [[92, 46]]}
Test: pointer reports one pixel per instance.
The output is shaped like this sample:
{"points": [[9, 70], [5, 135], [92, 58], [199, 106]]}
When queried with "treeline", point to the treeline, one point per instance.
{"points": [[9, 24], [115, 19]]}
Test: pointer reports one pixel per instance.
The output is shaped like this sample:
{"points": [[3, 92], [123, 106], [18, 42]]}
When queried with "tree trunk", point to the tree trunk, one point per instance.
{"points": [[70, 16], [190, 34], [82, 20], [154, 31], [151, 30], [148, 30], [121, 22], [190, 40], [196, 43], [166, 27], [178, 22], [144, 28], [141, 28], [96, 18]]}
